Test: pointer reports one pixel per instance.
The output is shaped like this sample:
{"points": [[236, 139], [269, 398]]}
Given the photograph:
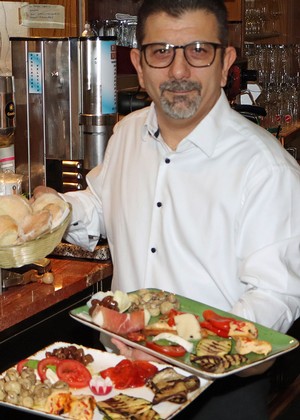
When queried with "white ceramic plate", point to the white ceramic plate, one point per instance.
{"points": [[103, 360]]}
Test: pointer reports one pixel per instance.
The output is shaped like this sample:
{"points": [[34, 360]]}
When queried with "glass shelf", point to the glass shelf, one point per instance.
{"points": [[264, 35]]}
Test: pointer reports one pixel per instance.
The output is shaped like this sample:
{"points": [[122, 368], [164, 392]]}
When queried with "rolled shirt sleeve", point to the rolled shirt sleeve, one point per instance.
{"points": [[87, 220]]}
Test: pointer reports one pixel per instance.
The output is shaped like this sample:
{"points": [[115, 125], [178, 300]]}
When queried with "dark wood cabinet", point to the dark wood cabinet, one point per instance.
{"points": [[106, 9]]}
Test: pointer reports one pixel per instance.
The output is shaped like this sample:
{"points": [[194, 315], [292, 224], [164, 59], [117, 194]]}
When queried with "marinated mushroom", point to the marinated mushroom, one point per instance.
{"points": [[26, 401], [12, 386], [12, 397], [11, 375], [2, 395]]}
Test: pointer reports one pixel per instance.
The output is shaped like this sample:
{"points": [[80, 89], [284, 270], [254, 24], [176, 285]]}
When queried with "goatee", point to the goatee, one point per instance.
{"points": [[180, 106]]}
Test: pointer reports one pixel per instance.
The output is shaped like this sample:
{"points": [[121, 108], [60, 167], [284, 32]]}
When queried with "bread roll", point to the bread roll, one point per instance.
{"points": [[15, 206], [48, 198], [34, 225], [8, 231], [52, 202], [58, 213]]}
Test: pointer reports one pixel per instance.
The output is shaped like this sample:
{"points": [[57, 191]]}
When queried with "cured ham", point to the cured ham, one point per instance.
{"points": [[117, 322]]}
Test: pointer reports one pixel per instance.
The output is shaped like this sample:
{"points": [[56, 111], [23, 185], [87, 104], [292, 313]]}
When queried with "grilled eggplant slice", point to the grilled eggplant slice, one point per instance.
{"points": [[124, 406], [218, 364], [162, 377], [235, 359], [175, 392], [209, 346], [169, 385]]}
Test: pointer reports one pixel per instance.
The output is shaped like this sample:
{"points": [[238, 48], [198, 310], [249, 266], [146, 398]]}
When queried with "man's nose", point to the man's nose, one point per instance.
{"points": [[179, 68]]}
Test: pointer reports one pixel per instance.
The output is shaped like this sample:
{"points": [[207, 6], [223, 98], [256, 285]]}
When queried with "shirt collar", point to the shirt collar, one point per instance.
{"points": [[209, 131], [205, 135], [151, 125]]}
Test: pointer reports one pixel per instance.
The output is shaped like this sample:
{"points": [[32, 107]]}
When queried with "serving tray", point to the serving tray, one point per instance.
{"points": [[281, 343], [103, 360]]}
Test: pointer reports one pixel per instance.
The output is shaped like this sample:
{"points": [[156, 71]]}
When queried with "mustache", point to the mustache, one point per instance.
{"points": [[180, 85]]}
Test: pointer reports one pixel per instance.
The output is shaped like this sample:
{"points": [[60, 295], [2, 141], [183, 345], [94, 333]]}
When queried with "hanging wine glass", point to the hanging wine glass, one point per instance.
{"points": [[275, 12]]}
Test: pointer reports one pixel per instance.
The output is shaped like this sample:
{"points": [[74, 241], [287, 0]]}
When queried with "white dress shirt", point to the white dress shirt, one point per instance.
{"points": [[217, 220]]}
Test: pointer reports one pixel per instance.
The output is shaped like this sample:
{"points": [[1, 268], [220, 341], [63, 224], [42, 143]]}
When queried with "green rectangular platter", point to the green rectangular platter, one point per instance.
{"points": [[281, 343]]}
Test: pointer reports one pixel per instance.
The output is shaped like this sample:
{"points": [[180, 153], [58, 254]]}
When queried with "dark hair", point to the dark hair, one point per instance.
{"points": [[176, 8]]}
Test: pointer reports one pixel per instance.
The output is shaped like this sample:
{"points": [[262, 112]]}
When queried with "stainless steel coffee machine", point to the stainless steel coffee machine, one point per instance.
{"points": [[66, 107], [7, 124]]}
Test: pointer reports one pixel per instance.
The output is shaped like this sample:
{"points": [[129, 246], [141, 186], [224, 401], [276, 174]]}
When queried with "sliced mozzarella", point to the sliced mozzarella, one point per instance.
{"points": [[98, 317], [187, 326], [51, 376], [122, 299], [100, 296], [147, 316], [176, 340]]}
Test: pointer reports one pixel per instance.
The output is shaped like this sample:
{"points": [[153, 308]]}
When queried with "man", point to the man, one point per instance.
{"points": [[193, 197]]}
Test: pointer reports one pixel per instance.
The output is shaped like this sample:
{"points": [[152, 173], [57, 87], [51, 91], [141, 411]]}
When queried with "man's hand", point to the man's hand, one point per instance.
{"points": [[133, 354]]}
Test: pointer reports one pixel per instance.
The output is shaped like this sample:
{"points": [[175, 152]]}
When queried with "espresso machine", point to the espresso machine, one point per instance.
{"points": [[66, 107], [7, 124]]}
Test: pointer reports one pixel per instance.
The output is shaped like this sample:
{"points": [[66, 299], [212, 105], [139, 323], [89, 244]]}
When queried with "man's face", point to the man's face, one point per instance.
{"points": [[181, 91]]}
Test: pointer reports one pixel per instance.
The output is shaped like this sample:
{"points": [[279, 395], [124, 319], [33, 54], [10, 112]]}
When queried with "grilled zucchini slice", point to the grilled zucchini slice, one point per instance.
{"points": [[209, 346], [124, 406], [218, 364]]}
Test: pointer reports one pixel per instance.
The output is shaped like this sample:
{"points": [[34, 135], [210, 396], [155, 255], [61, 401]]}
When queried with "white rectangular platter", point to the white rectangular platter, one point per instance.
{"points": [[103, 360]]}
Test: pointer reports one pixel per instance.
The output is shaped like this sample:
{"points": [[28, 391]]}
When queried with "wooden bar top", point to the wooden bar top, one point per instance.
{"points": [[70, 277]]}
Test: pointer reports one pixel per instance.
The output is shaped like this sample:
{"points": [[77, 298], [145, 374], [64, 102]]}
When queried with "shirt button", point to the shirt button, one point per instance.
{"points": [[153, 250], [159, 204], [167, 160]]}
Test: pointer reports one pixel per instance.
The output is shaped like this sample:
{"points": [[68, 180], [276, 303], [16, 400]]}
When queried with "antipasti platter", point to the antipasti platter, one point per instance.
{"points": [[67, 387], [197, 338]]}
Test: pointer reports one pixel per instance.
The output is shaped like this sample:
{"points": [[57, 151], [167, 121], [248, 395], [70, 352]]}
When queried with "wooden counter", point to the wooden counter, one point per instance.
{"points": [[19, 303]]}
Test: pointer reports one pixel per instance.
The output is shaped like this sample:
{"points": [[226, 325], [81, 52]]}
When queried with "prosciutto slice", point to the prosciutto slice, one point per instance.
{"points": [[118, 323]]}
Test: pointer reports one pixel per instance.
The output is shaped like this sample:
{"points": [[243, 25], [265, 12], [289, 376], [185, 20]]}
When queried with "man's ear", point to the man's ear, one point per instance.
{"points": [[229, 59], [135, 56]]}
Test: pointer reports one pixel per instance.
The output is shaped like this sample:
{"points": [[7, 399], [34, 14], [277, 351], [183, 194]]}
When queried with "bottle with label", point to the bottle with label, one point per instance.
{"points": [[7, 124]]}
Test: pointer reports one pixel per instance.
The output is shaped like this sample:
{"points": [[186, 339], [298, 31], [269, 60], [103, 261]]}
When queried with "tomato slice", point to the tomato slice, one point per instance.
{"points": [[145, 369], [31, 363], [21, 364], [74, 373], [172, 351], [122, 375], [129, 374], [44, 364]]}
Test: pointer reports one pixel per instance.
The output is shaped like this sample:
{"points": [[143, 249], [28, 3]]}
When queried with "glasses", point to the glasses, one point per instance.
{"points": [[198, 54]]}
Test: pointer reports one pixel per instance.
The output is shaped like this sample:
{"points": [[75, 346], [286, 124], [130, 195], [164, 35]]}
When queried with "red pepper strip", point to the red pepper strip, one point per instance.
{"points": [[210, 315], [218, 331], [218, 321], [220, 324], [171, 317]]}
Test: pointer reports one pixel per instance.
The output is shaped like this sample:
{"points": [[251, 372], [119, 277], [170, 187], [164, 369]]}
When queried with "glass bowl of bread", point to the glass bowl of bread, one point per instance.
{"points": [[31, 231]]}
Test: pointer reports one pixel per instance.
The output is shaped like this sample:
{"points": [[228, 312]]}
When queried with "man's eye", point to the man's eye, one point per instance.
{"points": [[162, 51], [200, 51]]}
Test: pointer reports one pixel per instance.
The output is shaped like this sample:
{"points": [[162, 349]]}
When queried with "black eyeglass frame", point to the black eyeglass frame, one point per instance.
{"points": [[215, 45]]}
